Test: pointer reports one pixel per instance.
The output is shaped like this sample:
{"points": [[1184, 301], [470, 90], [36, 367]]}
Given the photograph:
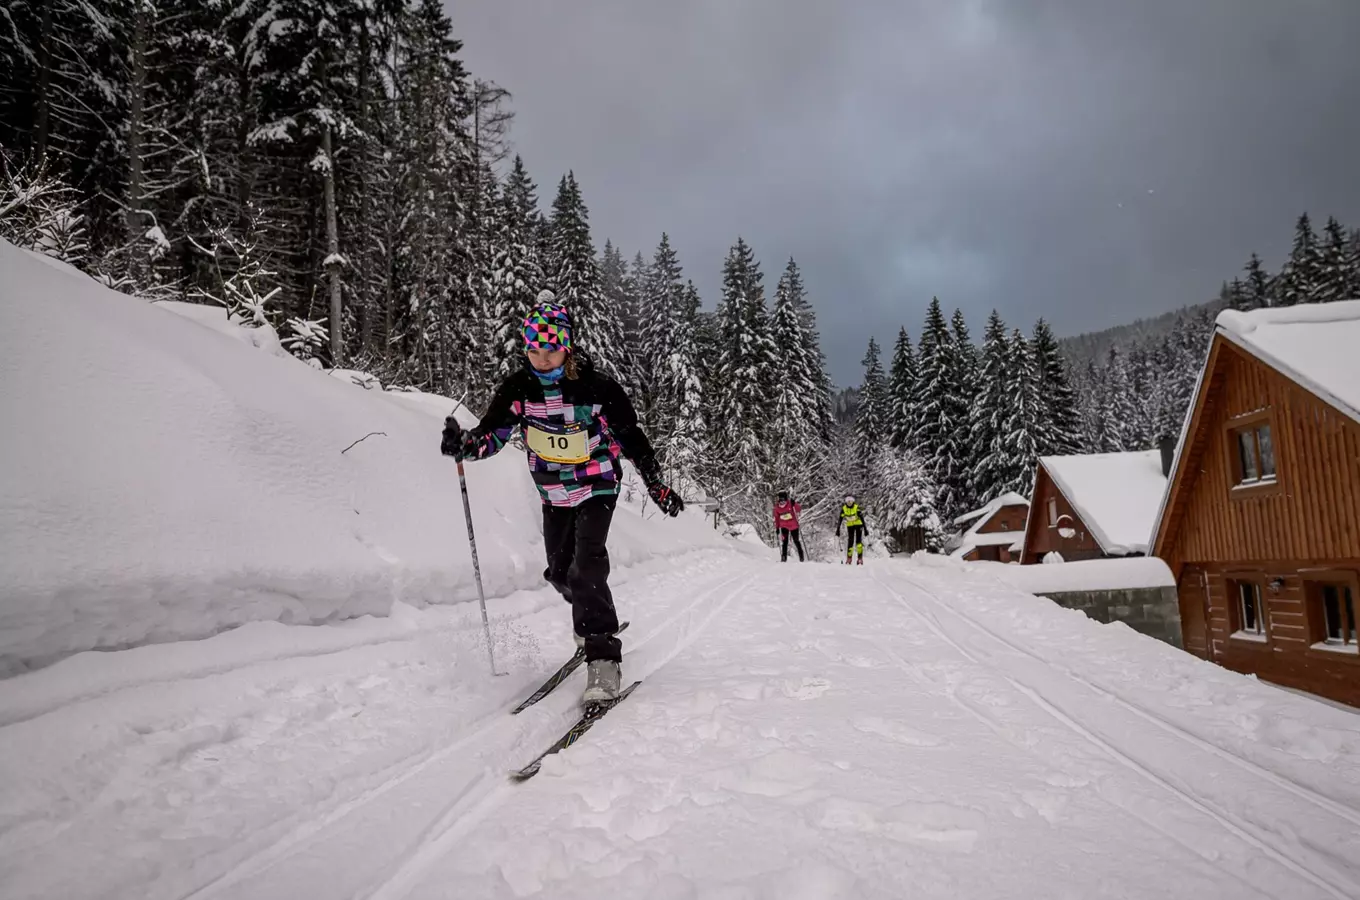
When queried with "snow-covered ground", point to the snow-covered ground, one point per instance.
{"points": [[254, 673], [905, 729]]}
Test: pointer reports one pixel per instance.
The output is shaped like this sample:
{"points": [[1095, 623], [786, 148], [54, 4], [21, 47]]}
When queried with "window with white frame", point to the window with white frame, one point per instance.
{"points": [[1052, 512], [1338, 614], [1250, 611]]}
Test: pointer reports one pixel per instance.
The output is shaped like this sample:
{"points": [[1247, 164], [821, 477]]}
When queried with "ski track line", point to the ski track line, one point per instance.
{"points": [[461, 816], [1230, 822], [1304, 792], [262, 859], [267, 856]]}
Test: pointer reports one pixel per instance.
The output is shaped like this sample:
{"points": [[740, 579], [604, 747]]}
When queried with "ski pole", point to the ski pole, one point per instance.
{"points": [[476, 567]]}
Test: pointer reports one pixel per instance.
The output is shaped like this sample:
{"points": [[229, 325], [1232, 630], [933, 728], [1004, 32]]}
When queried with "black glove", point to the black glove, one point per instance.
{"points": [[456, 442], [667, 500]]}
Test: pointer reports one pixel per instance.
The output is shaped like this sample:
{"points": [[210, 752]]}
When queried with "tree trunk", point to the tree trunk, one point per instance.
{"points": [[40, 125], [136, 125], [332, 252]]}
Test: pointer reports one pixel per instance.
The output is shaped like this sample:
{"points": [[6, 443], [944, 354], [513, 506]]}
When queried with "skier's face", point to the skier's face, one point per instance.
{"points": [[546, 360]]}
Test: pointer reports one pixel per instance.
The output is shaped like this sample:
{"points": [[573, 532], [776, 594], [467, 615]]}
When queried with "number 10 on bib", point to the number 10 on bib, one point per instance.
{"points": [[571, 447]]}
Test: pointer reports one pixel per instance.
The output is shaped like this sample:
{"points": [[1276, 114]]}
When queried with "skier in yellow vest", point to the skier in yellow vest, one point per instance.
{"points": [[853, 520]]}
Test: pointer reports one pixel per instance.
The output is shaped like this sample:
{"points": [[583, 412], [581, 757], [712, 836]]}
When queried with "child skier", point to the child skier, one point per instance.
{"points": [[786, 511], [853, 520], [576, 422]]}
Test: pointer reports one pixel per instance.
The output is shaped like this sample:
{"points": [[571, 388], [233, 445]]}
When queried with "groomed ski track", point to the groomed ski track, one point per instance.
{"points": [[802, 731], [497, 739]]}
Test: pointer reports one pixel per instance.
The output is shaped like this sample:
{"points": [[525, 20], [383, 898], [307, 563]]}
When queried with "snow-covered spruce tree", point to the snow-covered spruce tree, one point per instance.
{"points": [[634, 283], [1019, 439], [614, 293], [477, 330], [812, 360], [1334, 275], [796, 383], [438, 266], [871, 420], [684, 452], [990, 413], [944, 391], [1257, 285], [965, 380], [745, 364], [903, 497], [1353, 267], [1142, 382], [937, 420], [901, 392], [516, 273], [1060, 431], [574, 276], [1300, 276], [305, 124], [662, 300]]}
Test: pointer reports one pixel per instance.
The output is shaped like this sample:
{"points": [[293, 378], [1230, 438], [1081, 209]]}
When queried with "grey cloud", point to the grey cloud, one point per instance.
{"points": [[1089, 161]]}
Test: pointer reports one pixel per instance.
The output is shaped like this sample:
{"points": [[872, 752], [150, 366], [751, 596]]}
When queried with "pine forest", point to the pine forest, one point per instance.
{"points": [[332, 171]]}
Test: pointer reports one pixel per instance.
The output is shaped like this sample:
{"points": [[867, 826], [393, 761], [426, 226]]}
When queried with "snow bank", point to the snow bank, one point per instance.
{"points": [[1314, 344], [1116, 494], [1086, 575], [162, 479], [215, 317]]}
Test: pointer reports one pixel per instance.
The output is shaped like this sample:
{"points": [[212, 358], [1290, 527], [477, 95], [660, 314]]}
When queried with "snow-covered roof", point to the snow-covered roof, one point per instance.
{"points": [[1010, 498], [1314, 344], [1116, 494], [990, 539], [971, 539]]}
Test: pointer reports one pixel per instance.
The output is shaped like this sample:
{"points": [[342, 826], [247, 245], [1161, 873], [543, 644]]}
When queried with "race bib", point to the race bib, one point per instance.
{"points": [[785, 516], [569, 447]]}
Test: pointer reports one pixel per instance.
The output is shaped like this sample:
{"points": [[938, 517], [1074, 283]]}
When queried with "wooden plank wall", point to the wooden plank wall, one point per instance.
{"points": [[1311, 522], [1316, 513], [1040, 538]]}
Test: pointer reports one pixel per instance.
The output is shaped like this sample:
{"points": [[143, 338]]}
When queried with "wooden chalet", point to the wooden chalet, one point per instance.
{"points": [[1094, 505], [993, 530], [1260, 523]]}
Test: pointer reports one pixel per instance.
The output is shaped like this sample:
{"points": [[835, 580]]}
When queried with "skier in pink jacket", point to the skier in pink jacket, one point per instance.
{"points": [[786, 510]]}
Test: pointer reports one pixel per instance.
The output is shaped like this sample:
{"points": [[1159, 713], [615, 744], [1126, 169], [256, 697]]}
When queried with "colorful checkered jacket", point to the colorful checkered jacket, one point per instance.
{"points": [[591, 412]]}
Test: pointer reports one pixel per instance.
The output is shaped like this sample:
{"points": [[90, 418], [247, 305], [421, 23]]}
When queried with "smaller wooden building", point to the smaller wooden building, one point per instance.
{"points": [[1094, 505], [1260, 523], [993, 530]]}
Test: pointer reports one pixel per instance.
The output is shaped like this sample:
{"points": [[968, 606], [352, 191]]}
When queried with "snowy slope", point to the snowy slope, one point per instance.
{"points": [[908, 729], [165, 475]]}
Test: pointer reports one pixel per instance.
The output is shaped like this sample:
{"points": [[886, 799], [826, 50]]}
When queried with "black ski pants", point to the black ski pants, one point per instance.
{"points": [[854, 540], [578, 566], [784, 535]]}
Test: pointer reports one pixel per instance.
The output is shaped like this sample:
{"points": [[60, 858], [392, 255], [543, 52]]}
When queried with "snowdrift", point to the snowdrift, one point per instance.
{"points": [[166, 475]]}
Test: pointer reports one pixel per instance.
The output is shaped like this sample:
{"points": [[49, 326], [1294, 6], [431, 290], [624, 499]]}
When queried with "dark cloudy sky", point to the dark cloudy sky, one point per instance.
{"points": [[1089, 161]]}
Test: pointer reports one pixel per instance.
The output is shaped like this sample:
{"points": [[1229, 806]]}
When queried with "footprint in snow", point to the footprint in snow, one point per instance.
{"points": [[896, 731], [941, 825], [807, 689]]}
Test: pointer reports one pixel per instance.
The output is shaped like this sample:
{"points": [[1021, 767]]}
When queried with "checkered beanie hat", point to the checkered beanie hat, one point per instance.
{"points": [[548, 325]]}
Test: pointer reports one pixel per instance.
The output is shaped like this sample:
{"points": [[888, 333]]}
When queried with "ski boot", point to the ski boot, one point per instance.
{"points": [[603, 677], [860, 562]]}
